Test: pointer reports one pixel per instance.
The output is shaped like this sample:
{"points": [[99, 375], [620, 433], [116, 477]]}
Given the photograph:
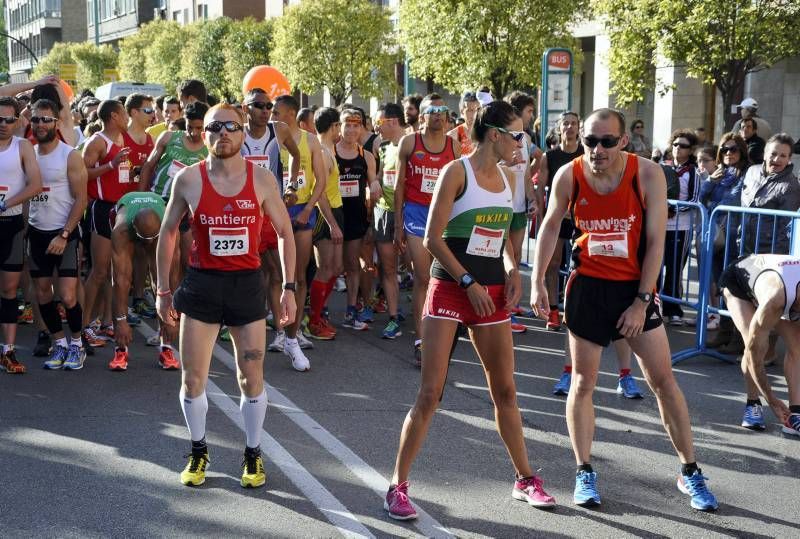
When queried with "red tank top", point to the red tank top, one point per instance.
{"points": [[139, 152], [465, 140], [422, 170], [610, 241], [116, 183], [227, 230]]}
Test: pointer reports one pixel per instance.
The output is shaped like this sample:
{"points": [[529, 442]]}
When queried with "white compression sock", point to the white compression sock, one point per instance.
{"points": [[254, 409], [194, 411]]}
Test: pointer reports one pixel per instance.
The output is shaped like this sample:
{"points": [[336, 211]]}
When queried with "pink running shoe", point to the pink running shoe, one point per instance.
{"points": [[397, 503], [530, 490]]}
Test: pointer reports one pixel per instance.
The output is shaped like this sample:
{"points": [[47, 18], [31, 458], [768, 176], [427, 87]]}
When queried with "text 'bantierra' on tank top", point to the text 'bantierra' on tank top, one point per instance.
{"points": [[477, 230], [422, 170], [609, 242], [227, 229]]}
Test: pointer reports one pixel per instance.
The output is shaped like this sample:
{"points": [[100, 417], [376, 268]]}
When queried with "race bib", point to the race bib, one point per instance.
{"points": [[3, 192], [390, 178], [301, 180], [260, 160], [174, 168], [611, 244], [42, 198], [228, 241], [485, 242], [428, 183], [124, 172], [348, 188]]}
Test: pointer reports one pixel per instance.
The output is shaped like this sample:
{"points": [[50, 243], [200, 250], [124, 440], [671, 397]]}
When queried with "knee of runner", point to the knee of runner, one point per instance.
{"points": [[504, 396], [193, 385], [250, 385], [584, 385], [427, 401], [68, 298]]}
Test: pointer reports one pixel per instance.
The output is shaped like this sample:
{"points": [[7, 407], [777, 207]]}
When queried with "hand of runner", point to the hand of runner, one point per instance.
{"points": [[780, 409], [302, 218], [481, 300], [57, 246], [336, 235], [169, 334], [122, 333], [540, 303], [121, 156], [399, 239], [513, 289], [290, 198], [288, 308], [631, 323], [166, 312], [375, 191]]}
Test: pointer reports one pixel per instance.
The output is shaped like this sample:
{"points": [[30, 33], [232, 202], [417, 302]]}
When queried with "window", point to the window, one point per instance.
{"points": [[202, 11]]}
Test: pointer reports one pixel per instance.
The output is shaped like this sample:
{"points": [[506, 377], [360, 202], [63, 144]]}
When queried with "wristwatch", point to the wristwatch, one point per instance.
{"points": [[64, 234], [466, 281], [645, 296], [290, 286]]}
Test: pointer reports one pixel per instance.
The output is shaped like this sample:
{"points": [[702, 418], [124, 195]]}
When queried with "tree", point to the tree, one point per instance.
{"points": [[153, 54], [203, 53], [344, 45], [719, 42], [4, 59], [90, 59], [468, 43], [248, 45]]}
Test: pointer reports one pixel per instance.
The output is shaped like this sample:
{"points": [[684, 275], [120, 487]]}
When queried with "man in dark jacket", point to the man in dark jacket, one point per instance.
{"points": [[755, 144]]}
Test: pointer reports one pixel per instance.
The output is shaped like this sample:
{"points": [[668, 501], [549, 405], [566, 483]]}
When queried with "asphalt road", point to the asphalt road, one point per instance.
{"points": [[97, 454]]}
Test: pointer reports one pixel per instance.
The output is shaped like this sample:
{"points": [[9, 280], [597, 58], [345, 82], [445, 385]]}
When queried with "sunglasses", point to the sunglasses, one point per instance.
{"points": [[259, 105], [437, 109], [230, 126], [638, 126], [8, 119], [592, 141], [147, 110], [146, 238], [516, 135], [42, 119], [729, 149], [681, 145]]}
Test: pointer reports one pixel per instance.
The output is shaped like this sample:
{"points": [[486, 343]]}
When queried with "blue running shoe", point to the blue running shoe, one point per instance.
{"points": [[366, 315], [56, 359], [133, 318], [792, 425], [75, 358], [392, 330], [627, 388], [562, 386], [695, 486], [753, 417], [586, 494]]}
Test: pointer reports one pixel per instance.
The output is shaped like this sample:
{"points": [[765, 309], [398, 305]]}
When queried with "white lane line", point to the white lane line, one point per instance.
{"points": [[336, 513]]}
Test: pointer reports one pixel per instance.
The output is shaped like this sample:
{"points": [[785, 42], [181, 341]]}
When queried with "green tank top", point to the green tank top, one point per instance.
{"points": [[478, 209], [138, 200], [176, 156], [388, 156], [305, 180]]}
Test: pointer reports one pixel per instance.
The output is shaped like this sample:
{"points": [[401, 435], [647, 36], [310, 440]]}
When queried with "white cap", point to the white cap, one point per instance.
{"points": [[484, 98], [748, 103]]}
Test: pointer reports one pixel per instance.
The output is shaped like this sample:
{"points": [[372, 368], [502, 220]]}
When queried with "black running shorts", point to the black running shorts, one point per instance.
{"points": [[12, 243], [99, 212], [41, 264], [322, 231], [232, 298], [592, 307]]}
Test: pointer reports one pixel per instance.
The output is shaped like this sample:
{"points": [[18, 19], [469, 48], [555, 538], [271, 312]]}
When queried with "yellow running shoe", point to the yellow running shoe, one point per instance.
{"points": [[253, 475], [195, 472]]}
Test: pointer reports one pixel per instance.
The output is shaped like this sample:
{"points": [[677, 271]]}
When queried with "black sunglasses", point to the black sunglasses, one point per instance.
{"points": [[147, 110], [8, 119], [681, 145], [42, 119], [262, 106], [729, 149], [216, 126], [592, 141]]}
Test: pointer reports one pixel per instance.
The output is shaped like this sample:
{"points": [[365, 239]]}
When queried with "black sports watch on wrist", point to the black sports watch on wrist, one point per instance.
{"points": [[646, 297], [290, 286], [466, 281]]}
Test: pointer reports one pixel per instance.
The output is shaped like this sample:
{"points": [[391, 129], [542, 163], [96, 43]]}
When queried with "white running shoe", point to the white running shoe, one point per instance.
{"points": [[154, 340], [340, 285], [299, 360], [305, 344], [277, 345]]}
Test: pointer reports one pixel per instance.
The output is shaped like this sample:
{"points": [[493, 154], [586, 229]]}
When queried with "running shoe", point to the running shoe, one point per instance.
{"points": [[366, 314], [340, 285], [167, 360], [320, 331], [195, 472], [26, 315], [133, 318], [44, 345], [554, 321], [144, 310], [277, 343], [695, 486], [120, 361], [627, 388], [300, 362], [305, 344], [271, 321], [530, 490], [516, 327], [225, 334], [62, 312], [379, 305], [518, 311], [676, 321], [397, 503], [91, 338], [76, 356], [753, 417], [352, 320], [792, 425], [418, 355], [56, 359], [106, 332], [392, 330], [562, 386], [9, 363], [154, 340], [253, 475], [586, 494]]}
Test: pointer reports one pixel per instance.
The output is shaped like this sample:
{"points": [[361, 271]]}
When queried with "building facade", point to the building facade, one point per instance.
{"points": [[188, 11], [119, 18]]}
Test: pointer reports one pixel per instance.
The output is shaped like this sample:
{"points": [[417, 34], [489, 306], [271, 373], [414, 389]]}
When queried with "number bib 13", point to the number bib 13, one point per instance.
{"points": [[428, 183], [228, 241], [485, 242], [611, 244]]}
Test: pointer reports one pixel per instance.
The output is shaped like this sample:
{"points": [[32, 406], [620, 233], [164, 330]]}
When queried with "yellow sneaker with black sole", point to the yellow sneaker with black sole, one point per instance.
{"points": [[195, 472], [253, 475]]}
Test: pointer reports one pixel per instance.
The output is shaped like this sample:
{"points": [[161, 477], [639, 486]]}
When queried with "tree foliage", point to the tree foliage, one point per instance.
{"points": [[719, 41], [203, 53], [468, 43], [153, 54], [344, 45], [248, 44], [90, 59]]}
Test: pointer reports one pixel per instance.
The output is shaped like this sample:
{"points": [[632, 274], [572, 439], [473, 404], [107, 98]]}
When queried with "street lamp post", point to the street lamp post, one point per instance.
{"points": [[35, 59]]}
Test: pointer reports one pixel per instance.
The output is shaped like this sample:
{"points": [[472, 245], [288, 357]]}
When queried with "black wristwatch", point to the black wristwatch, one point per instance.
{"points": [[290, 286], [466, 281], [65, 234], [646, 297]]}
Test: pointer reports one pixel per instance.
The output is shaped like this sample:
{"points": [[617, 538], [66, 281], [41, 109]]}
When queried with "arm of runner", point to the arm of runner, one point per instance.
{"points": [[122, 271], [287, 141], [76, 175], [538, 198], [150, 165], [168, 235], [547, 239], [33, 177], [13, 89], [65, 117], [406, 147], [375, 190], [513, 289]]}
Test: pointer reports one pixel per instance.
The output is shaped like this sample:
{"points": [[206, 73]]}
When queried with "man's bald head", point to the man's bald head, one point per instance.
{"points": [[147, 223]]}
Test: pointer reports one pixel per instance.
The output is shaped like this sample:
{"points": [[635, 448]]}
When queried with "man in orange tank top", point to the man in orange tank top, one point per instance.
{"points": [[618, 203], [227, 198]]}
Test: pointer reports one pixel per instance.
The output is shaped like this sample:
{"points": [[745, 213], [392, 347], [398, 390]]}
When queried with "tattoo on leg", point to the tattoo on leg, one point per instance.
{"points": [[253, 355]]}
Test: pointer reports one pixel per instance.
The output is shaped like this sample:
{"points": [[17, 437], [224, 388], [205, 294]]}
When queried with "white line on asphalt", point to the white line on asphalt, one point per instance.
{"points": [[336, 513]]}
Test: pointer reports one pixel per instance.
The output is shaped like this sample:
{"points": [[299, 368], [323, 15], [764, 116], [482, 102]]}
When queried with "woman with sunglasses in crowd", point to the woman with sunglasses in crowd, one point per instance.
{"points": [[639, 143], [474, 282]]}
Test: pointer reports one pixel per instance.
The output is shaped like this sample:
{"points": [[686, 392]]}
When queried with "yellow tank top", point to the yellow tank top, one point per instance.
{"points": [[305, 180], [332, 191]]}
